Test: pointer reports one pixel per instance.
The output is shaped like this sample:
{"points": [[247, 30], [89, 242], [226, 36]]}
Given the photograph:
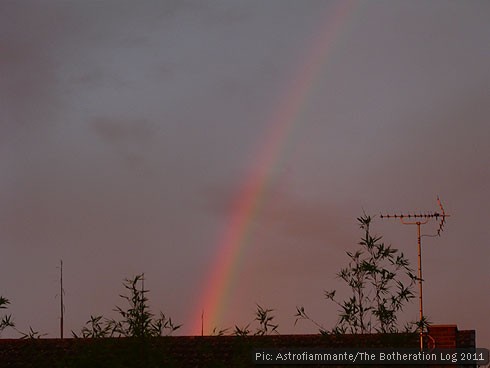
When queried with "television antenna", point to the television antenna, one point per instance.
{"points": [[419, 220], [62, 304]]}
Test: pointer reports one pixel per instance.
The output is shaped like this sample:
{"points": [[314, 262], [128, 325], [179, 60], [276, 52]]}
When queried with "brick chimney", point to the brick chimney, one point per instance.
{"points": [[449, 337]]}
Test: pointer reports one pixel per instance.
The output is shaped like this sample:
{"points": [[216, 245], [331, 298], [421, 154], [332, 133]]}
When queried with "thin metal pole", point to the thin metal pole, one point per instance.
{"points": [[419, 277], [61, 294], [421, 307]]}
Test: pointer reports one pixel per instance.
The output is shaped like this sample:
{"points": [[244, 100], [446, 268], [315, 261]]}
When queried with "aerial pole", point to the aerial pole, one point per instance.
{"points": [[62, 306], [419, 220]]}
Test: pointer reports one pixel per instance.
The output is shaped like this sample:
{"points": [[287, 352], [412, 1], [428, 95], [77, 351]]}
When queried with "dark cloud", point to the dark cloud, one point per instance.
{"points": [[120, 131], [130, 139]]}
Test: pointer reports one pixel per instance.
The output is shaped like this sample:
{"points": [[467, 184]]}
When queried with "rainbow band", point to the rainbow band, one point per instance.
{"points": [[247, 203]]}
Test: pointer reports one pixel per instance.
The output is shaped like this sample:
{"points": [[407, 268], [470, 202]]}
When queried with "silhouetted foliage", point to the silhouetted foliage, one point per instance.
{"points": [[265, 326], [419, 325], [136, 318], [263, 317], [31, 334], [6, 320], [219, 332], [95, 327], [381, 283]]}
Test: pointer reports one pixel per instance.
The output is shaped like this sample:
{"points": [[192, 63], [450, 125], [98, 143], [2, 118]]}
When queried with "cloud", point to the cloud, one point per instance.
{"points": [[284, 214], [131, 139], [123, 131], [28, 83]]}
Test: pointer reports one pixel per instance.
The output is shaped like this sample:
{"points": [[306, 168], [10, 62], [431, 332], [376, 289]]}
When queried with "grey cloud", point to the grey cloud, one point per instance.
{"points": [[123, 131], [28, 82]]}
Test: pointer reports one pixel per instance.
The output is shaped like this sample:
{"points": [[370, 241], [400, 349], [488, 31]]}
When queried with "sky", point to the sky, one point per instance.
{"points": [[226, 148]]}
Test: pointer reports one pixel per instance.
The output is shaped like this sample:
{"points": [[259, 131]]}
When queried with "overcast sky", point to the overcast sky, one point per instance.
{"points": [[127, 130]]}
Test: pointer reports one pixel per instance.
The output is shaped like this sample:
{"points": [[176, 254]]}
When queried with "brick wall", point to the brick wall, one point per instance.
{"points": [[200, 351]]}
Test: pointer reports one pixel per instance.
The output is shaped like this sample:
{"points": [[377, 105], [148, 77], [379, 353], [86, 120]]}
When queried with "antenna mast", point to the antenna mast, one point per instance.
{"points": [[421, 219], [62, 306]]}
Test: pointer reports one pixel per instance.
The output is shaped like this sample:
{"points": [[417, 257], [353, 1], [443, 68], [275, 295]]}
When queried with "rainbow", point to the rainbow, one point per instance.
{"points": [[250, 195]]}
